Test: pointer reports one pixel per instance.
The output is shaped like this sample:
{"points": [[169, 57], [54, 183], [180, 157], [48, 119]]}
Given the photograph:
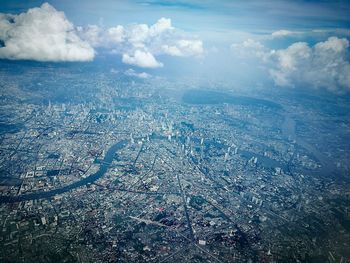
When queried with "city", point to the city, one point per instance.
{"points": [[175, 131], [165, 179]]}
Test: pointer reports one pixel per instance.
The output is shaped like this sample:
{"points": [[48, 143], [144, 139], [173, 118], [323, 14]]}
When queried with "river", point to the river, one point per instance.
{"points": [[90, 179], [288, 130]]}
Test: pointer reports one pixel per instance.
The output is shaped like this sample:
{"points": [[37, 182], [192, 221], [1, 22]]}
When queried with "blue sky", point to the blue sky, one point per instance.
{"points": [[253, 16], [215, 39]]}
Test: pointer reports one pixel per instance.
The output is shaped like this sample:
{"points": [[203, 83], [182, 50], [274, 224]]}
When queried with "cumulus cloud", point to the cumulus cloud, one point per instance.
{"points": [[324, 65], [249, 49], [291, 58], [184, 47], [141, 34], [141, 41], [45, 34], [98, 37], [142, 59], [92, 33], [132, 73], [116, 34], [42, 34]]}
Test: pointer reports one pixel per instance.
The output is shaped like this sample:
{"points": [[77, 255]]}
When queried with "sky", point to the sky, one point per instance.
{"points": [[286, 44]]}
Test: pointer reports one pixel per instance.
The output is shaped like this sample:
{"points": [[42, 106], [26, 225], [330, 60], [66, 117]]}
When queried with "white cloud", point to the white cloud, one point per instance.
{"points": [[99, 37], [337, 31], [334, 44], [116, 34], [316, 33], [324, 65], [142, 59], [184, 47], [172, 50], [91, 34], [138, 35], [190, 47], [45, 34], [162, 25], [283, 33], [133, 73], [147, 41], [249, 49], [290, 59], [42, 34]]}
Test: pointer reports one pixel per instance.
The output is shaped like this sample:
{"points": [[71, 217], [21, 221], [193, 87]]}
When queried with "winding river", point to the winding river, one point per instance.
{"points": [[90, 179], [288, 130]]}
